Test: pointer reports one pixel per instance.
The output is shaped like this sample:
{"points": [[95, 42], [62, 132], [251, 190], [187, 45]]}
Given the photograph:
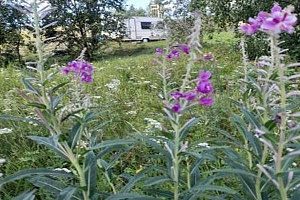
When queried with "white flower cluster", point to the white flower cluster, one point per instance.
{"points": [[132, 112], [5, 131], [153, 125], [1, 162], [113, 85], [63, 169], [204, 144]]}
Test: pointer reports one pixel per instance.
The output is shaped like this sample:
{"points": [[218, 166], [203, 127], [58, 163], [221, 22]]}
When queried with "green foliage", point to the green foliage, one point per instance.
{"points": [[82, 23], [11, 38], [227, 14]]}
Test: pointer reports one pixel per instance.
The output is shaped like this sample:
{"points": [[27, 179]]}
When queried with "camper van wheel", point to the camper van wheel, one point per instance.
{"points": [[145, 40]]}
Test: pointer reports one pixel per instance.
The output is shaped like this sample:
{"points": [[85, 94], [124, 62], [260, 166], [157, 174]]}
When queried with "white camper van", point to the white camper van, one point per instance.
{"points": [[144, 29]]}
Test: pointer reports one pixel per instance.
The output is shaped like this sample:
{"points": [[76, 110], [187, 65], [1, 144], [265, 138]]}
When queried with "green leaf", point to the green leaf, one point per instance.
{"points": [[25, 196], [202, 188], [109, 143], [67, 193], [163, 193], [30, 87], [130, 197], [90, 166], [156, 180], [50, 142], [74, 135], [186, 127], [131, 183], [33, 172], [13, 118], [59, 86], [37, 105], [52, 186], [54, 102]]}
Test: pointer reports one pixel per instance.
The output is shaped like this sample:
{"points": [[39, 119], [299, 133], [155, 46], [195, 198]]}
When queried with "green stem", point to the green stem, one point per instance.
{"points": [[188, 166], [110, 183], [176, 161], [79, 170], [39, 48], [283, 123], [259, 174]]}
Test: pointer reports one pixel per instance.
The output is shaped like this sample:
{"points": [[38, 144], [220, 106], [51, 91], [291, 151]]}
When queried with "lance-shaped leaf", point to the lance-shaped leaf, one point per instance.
{"points": [[186, 127], [109, 143], [25, 196], [130, 196], [24, 119], [30, 87], [56, 188], [74, 134], [33, 172], [67, 193], [50, 142], [133, 180], [156, 180], [90, 172]]}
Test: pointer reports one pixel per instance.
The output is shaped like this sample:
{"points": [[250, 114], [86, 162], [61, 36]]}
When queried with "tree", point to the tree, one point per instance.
{"points": [[85, 23], [12, 24], [132, 11]]}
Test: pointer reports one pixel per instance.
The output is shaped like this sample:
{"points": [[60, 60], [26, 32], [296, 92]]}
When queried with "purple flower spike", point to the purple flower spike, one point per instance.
{"points": [[159, 51], [207, 57], [204, 76], [81, 69], [185, 49], [176, 108], [206, 101], [205, 87]]}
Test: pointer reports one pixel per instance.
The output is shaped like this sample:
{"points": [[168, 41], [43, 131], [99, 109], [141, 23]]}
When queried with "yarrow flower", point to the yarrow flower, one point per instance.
{"points": [[203, 88], [81, 69], [279, 20]]}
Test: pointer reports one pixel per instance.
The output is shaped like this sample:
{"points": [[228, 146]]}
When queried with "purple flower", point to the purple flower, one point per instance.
{"points": [[65, 70], [177, 95], [205, 87], [185, 49], [190, 96], [207, 57], [174, 54], [176, 107], [204, 75], [81, 69], [278, 119], [277, 21], [248, 29], [260, 64], [159, 51], [280, 21], [206, 101]]}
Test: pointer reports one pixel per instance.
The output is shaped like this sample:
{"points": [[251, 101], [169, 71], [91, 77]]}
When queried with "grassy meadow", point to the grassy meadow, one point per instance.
{"points": [[126, 88]]}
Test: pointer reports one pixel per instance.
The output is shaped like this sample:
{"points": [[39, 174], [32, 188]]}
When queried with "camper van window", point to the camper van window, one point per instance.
{"points": [[146, 25]]}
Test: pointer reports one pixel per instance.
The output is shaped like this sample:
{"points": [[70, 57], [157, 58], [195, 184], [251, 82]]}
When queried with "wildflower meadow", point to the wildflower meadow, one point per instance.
{"points": [[189, 117]]}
